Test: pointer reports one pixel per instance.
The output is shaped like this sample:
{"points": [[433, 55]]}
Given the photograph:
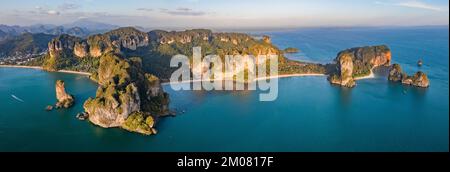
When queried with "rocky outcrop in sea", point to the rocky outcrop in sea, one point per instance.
{"points": [[419, 79], [345, 72], [65, 100]]}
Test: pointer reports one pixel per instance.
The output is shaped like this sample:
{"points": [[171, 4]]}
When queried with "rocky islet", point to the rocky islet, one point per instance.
{"points": [[65, 100], [419, 79]]}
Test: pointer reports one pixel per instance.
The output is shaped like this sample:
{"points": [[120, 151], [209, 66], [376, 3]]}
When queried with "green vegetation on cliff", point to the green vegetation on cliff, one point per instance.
{"points": [[124, 90], [24, 44], [156, 48], [366, 58], [140, 122], [358, 62], [295, 67], [54, 63], [59, 54], [291, 50]]}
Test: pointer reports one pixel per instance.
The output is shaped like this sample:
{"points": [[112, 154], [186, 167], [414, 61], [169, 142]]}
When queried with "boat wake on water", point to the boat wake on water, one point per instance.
{"points": [[15, 97]]}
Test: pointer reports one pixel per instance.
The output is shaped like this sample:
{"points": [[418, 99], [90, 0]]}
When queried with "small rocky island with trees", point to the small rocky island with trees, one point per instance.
{"points": [[129, 66]]}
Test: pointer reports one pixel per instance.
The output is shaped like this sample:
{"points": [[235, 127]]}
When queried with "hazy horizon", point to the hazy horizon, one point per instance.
{"points": [[221, 14], [250, 28]]}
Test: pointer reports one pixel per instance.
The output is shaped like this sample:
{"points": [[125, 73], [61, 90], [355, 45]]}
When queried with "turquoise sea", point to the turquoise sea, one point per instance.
{"points": [[309, 114]]}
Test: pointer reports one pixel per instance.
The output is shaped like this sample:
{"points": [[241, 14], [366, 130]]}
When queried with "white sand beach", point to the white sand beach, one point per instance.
{"points": [[40, 68], [372, 75], [256, 79]]}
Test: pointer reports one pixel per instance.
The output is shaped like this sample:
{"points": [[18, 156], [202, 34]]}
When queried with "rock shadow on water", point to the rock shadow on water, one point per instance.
{"points": [[398, 89], [345, 96], [419, 94]]}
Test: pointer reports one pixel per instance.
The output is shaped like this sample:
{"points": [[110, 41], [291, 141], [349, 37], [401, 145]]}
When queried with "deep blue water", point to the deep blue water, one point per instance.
{"points": [[309, 114]]}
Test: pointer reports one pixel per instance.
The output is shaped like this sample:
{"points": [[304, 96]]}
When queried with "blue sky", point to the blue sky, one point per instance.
{"points": [[228, 13]]}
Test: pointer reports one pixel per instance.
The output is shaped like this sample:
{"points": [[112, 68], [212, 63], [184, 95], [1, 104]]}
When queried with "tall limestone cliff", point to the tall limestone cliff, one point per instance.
{"points": [[155, 48], [67, 51], [345, 72], [61, 44], [167, 44], [119, 40], [184, 37], [59, 53], [64, 99], [358, 62], [367, 58], [126, 90], [396, 73], [81, 49]]}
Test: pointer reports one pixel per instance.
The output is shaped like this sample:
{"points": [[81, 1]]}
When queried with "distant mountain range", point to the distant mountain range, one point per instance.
{"points": [[91, 25], [2, 34], [25, 40], [80, 28]]}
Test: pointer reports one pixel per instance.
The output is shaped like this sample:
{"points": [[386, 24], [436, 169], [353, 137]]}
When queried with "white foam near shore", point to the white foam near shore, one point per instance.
{"points": [[40, 68]]}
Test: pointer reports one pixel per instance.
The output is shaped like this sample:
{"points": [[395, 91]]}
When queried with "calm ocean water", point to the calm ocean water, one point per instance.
{"points": [[309, 114]]}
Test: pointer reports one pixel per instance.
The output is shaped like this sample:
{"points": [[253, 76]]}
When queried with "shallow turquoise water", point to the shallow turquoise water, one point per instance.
{"points": [[309, 114]]}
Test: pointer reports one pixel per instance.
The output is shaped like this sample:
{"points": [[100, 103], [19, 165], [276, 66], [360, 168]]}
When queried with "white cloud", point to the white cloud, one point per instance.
{"points": [[412, 4], [145, 9], [419, 5], [53, 12], [182, 11], [68, 6], [44, 11]]}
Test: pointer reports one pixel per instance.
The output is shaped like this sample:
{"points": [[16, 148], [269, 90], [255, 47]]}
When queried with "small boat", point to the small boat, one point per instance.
{"points": [[17, 98], [49, 108], [420, 63], [82, 116]]}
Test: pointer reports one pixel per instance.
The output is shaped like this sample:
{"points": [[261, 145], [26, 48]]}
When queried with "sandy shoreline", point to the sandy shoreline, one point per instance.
{"points": [[18, 66], [256, 79], [75, 72], [290, 75], [40, 68], [372, 75]]}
